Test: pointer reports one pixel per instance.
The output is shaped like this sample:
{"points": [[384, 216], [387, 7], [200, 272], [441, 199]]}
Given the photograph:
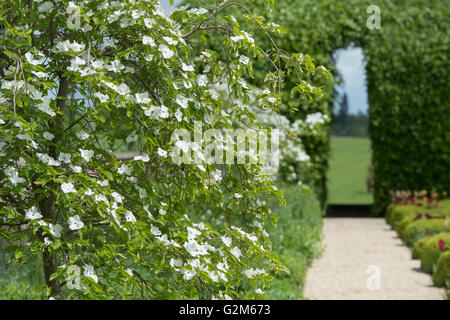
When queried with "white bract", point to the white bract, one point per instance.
{"points": [[68, 187], [64, 157], [165, 51], [75, 223], [86, 154], [55, 230], [90, 272], [33, 213]]}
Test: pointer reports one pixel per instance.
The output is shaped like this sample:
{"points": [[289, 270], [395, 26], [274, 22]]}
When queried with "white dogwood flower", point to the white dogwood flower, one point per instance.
{"points": [[124, 169], [102, 97], [47, 241], [142, 98], [90, 273], [130, 217], [33, 213], [55, 230], [75, 223], [68, 188], [170, 41], [13, 176], [66, 46], [192, 233], [195, 249], [164, 112], [198, 11], [45, 7], [188, 274], [47, 135], [82, 135], [129, 272], [155, 230], [142, 193], [30, 58], [226, 240], [77, 169], [86, 154], [165, 51], [236, 252], [103, 183], [64, 157], [182, 101], [187, 68], [45, 158], [117, 197], [162, 153], [202, 80], [40, 74], [143, 157], [183, 145], [178, 115], [44, 106], [237, 38], [149, 22], [244, 60]]}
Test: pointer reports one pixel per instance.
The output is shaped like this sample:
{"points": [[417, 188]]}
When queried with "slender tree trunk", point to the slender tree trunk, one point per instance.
{"points": [[50, 267], [47, 206]]}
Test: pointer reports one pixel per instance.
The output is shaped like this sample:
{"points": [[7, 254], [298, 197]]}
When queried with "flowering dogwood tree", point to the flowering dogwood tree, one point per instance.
{"points": [[78, 79]]}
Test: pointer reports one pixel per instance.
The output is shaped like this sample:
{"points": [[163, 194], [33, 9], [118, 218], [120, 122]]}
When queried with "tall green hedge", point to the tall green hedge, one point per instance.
{"points": [[408, 80]]}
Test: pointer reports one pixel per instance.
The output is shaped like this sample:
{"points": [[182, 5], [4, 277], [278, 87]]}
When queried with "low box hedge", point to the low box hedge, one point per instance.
{"points": [[431, 252], [418, 247], [424, 227], [397, 213], [442, 275]]}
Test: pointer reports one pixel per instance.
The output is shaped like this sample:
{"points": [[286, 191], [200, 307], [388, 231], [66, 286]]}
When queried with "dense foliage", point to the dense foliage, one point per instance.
{"points": [[408, 83], [295, 241], [80, 77]]}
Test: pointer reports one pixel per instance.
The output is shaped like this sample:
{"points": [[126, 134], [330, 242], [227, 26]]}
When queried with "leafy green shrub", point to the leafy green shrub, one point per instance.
{"points": [[21, 281], [395, 213], [424, 227], [442, 275], [418, 247], [10, 290], [401, 226], [295, 240], [431, 252]]}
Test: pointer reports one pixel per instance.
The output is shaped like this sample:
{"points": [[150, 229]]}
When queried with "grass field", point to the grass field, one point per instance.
{"points": [[349, 162]]}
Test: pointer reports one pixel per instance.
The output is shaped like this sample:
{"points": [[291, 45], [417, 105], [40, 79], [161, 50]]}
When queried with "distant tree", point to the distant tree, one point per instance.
{"points": [[342, 115]]}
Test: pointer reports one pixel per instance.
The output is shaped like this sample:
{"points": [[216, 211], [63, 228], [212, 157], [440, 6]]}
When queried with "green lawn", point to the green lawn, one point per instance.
{"points": [[349, 162]]}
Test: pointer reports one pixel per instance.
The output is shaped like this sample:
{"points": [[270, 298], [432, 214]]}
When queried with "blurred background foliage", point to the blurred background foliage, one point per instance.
{"points": [[407, 74]]}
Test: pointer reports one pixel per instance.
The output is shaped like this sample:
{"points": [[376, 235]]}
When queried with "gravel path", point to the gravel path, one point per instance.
{"points": [[364, 259]]}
